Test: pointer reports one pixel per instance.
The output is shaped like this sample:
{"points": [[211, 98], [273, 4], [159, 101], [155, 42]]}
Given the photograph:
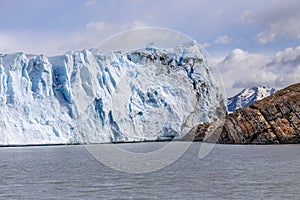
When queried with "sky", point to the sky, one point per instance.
{"points": [[253, 42]]}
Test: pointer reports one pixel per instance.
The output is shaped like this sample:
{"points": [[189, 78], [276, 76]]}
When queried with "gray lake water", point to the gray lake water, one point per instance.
{"points": [[227, 172]]}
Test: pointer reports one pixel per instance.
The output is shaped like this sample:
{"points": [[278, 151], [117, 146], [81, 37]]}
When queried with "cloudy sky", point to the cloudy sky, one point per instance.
{"points": [[253, 42]]}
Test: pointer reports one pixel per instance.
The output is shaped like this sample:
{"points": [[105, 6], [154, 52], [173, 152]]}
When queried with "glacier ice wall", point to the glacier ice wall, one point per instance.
{"points": [[90, 97]]}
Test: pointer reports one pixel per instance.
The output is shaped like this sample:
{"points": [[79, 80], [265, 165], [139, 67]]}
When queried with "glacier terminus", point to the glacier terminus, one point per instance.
{"points": [[92, 97]]}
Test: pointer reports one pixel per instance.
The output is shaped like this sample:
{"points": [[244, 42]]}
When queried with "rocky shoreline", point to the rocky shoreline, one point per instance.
{"points": [[272, 120]]}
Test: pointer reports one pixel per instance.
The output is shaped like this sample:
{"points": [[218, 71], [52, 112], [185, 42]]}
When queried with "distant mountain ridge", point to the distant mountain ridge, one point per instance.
{"points": [[248, 96]]}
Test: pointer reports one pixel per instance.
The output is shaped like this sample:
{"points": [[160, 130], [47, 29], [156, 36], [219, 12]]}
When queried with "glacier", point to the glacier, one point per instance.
{"points": [[92, 97]]}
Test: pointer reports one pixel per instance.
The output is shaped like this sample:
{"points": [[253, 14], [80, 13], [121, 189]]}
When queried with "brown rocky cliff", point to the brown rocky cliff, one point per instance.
{"points": [[272, 120]]}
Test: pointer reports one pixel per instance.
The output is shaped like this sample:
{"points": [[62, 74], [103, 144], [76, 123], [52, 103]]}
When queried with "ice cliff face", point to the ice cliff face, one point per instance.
{"points": [[87, 97]]}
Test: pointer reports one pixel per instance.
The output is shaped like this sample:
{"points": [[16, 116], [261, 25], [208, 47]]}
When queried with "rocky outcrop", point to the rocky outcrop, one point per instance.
{"points": [[272, 120]]}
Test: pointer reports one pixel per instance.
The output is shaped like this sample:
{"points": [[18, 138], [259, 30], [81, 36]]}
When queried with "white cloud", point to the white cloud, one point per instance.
{"points": [[57, 43], [281, 20], [241, 69], [141, 37], [30, 42], [97, 32], [90, 3], [205, 45], [93, 35], [286, 29], [285, 60], [223, 40], [5, 43], [266, 37]]}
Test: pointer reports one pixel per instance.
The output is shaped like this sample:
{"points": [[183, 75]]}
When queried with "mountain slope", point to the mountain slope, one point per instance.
{"points": [[90, 97], [247, 97], [272, 120]]}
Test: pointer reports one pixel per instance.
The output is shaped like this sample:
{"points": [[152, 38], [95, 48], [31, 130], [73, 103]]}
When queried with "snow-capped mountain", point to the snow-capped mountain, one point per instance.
{"points": [[248, 96], [90, 97]]}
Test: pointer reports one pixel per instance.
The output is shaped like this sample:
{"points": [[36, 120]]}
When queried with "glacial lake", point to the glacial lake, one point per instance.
{"points": [[227, 172]]}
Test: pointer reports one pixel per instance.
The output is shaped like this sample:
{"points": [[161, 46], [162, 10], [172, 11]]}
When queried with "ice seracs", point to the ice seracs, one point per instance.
{"points": [[90, 97]]}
